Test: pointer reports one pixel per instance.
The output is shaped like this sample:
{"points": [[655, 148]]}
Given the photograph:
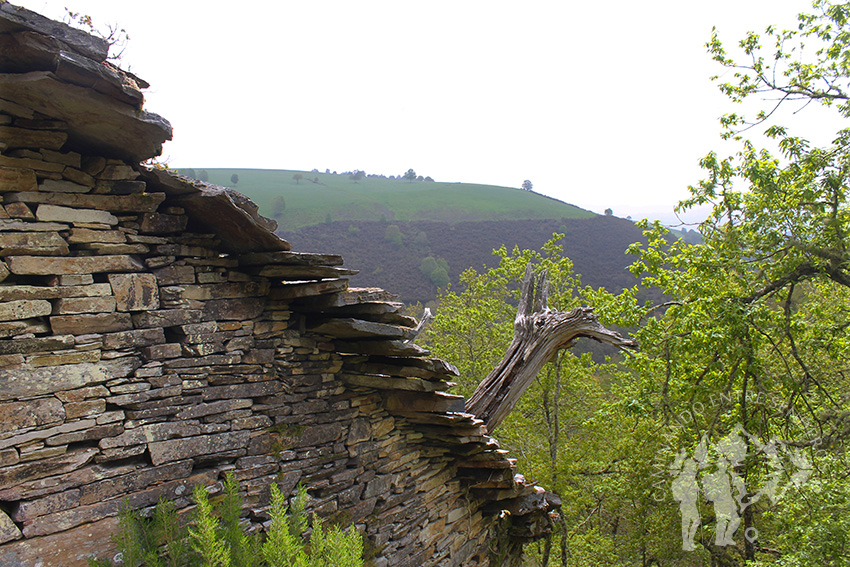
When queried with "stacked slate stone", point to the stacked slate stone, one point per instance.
{"points": [[155, 334]]}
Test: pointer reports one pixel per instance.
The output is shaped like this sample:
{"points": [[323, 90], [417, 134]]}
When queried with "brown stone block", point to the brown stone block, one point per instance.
{"points": [[250, 390], [213, 408], [159, 223], [105, 248], [137, 338], [32, 243], [93, 164], [151, 433], [86, 408], [81, 394], [86, 235], [73, 279], [67, 519], [233, 309], [9, 457], [91, 323], [117, 172], [28, 510], [48, 213], [8, 530], [24, 309], [178, 449], [72, 159], [140, 203], [13, 292], [29, 163], [16, 224], [90, 434], [36, 413], [163, 351], [73, 305], [14, 328], [79, 177], [171, 275], [25, 138], [226, 290], [166, 318], [62, 464], [17, 179], [135, 292], [62, 186], [29, 442], [67, 549], [60, 359], [130, 483], [18, 211], [46, 265]]}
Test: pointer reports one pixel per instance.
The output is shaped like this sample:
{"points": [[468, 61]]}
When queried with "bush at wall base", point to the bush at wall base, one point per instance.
{"points": [[215, 538]]}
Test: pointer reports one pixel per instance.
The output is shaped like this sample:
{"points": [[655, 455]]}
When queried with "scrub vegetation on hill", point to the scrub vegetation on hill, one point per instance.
{"points": [[595, 245]]}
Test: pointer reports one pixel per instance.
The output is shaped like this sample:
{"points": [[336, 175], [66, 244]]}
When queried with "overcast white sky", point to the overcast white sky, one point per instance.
{"points": [[600, 104]]}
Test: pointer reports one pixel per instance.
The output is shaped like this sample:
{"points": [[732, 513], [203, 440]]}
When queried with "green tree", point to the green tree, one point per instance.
{"points": [[410, 175], [234, 179], [757, 318], [753, 335], [427, 265], [394, 236], [527, 185], [298, 177], [609, 212], [570, 432]]}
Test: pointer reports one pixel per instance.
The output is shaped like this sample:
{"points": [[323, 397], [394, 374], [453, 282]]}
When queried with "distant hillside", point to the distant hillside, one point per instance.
{"points": [[317, 198], [596, 246]]}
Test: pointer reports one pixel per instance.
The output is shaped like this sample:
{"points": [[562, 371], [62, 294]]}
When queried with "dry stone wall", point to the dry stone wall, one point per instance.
{"points": [[155, 334]]}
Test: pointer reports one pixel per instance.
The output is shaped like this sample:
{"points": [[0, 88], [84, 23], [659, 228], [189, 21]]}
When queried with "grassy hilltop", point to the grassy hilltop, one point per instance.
{"points": [[319, 197]]}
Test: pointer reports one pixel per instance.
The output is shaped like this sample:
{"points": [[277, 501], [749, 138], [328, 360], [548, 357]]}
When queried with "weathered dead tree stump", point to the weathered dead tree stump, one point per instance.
{"points": [[539, 333]]}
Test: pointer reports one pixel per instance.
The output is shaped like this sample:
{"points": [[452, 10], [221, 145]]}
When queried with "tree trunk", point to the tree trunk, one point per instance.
{"points": [[538, 335]]}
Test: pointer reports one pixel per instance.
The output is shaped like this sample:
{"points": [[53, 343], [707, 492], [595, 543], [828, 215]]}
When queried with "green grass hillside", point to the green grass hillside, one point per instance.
{"points": [[321, 197]]}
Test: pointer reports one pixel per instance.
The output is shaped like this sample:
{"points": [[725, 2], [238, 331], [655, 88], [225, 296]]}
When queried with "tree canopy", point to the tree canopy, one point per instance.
{"points": [[742, 378]]}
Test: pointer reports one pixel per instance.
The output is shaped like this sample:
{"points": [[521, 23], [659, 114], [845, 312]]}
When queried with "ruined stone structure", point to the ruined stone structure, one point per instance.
{"points": [[156, 334]]}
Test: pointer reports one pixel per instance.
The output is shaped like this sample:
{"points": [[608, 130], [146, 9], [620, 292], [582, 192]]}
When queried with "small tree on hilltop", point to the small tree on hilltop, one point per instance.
{"points": [[609, 212], [527, 185], [410, 175], [298, 177]]}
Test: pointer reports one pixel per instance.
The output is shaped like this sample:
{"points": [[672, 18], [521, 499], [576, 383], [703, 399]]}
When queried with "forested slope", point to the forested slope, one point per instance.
{"points": [[595, 245]]}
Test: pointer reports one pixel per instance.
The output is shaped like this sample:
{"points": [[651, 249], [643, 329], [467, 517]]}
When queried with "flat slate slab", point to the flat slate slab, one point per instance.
{"points": [[98, 123]]}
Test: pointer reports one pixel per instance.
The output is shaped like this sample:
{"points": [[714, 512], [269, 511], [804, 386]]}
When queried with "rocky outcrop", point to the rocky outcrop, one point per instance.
{"points": [[155, 334]]}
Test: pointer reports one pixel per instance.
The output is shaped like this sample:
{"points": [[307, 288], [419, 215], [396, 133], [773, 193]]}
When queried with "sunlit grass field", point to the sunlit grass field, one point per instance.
{"points": [[319, 197]]}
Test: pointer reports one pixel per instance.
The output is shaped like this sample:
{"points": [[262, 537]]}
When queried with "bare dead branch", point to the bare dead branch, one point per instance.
{"points": [[538, 335]]}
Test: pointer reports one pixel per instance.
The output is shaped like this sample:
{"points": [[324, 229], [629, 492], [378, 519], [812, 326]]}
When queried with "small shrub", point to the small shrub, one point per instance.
{"points": [[393, 236], [215, 537]]}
